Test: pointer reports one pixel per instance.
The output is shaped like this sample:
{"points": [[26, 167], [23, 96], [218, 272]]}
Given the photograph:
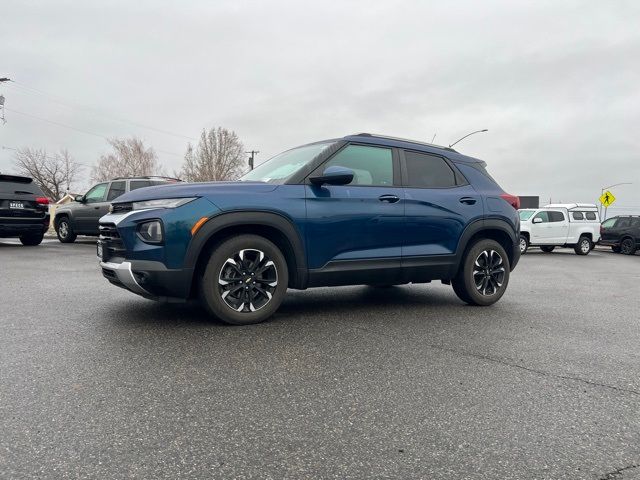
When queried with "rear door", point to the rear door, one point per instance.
{"points": [[94, 206], [558, 227], [439, 205], [359, 225]]}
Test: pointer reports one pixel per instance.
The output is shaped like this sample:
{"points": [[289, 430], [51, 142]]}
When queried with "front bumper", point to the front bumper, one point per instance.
{"points": [[149, 279]]}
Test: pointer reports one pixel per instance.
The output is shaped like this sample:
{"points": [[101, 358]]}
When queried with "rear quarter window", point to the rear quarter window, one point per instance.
{"points": [[591, 216]]}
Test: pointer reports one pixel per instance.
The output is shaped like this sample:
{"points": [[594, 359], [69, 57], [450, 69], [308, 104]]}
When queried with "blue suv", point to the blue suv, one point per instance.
{"points": [[363, 209]]}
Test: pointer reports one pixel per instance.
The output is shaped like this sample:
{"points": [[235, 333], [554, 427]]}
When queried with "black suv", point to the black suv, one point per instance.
{"points": [[24, 210], [81, 217], [621, 233]]}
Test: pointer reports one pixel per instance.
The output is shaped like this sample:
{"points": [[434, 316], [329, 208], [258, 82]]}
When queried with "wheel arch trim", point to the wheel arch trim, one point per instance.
{"points": [[269, 219]]}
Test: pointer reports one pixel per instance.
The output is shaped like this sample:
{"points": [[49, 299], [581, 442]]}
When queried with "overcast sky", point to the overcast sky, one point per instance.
{"points": [[556, 83]]}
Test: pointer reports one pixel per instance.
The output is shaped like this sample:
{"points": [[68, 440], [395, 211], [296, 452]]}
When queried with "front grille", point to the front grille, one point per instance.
{"points": [[112, 245], [121, 207]]}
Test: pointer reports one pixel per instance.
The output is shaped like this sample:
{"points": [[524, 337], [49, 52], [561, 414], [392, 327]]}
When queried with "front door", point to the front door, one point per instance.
{"points": [[93, 207], [358, 226]]}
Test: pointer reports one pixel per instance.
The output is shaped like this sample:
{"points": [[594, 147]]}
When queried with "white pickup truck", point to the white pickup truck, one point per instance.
{"points": [[575, 225]]}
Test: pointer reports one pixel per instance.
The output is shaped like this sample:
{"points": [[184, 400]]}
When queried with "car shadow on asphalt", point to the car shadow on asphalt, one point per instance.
{"points": [[321, 303]]}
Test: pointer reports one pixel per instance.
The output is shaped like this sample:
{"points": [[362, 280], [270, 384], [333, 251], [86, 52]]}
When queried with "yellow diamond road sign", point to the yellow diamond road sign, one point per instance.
{"points": [[607, 198]]}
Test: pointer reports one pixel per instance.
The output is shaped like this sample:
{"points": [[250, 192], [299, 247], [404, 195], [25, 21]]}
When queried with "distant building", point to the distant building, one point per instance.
{"points": [[529, 202]]}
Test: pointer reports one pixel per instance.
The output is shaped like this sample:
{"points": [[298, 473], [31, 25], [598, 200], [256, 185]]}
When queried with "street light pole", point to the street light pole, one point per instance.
{"points": [[468, 135], [602, 193]]}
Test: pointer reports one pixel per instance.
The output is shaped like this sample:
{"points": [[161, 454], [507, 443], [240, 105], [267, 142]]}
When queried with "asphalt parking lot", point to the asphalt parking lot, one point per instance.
{"points": [[350, 382]]}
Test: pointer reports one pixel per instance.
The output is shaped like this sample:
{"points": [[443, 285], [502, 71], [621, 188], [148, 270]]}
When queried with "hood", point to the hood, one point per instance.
{"points": [[184, 190]]}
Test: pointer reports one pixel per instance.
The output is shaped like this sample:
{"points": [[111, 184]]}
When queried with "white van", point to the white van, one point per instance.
{"points": [[575, 225]]}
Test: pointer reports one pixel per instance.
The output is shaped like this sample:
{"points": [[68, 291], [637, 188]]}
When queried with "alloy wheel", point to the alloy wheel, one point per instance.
{"points": [[247, 280], [488, 272], [585, 246], [626, 246], [523, 245], [63, 229]]}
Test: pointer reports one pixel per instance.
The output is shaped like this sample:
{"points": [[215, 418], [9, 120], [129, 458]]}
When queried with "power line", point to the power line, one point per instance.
{"points": [[87, 132], [93, 111]]}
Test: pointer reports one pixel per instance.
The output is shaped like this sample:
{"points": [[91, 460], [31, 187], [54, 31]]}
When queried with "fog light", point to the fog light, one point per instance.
{"points": [[151, 231]]}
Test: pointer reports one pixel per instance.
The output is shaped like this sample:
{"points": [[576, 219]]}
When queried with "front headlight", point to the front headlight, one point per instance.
{"points": [[162, 203]]}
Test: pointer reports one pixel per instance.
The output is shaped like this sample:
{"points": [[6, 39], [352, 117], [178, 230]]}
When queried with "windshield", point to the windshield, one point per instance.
{"points": [[526, 214], [279, 168]]}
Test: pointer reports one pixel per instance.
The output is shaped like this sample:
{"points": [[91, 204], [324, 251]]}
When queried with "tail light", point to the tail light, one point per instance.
{"points": [[42, 200], [512, 200]]}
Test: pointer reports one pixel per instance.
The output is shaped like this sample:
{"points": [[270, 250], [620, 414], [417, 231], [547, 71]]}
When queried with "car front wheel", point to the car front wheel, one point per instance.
{"points": [[245, 280], [484, 274], [64, 230]]}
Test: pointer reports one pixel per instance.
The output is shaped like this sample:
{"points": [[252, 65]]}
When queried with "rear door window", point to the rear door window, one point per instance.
{"points": [[556, 216], [428, 171], [135, 184]]}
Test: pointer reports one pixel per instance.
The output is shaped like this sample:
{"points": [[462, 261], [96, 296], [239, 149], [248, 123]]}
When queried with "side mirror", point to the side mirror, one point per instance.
{"points": [[537, 220], [334, 176], [79, 198]]}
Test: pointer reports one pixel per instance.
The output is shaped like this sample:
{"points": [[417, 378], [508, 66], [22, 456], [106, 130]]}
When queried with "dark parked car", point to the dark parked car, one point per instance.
{"points": [[621, 233], [362, 209], [81, 216], [24, 210]]}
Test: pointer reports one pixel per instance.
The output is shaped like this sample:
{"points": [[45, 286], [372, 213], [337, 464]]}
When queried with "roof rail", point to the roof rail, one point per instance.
{"points": [[146, 177], [399, 139]]}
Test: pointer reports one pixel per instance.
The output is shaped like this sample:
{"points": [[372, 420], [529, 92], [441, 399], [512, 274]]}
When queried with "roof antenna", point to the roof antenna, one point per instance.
{"points": [[434, 137], [468, 135]]}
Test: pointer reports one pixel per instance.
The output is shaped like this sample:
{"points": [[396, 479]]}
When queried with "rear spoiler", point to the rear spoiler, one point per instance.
{"points": [[15, 178]]}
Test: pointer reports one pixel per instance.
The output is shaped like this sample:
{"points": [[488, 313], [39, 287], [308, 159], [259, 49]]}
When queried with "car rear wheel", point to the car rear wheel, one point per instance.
{"points": [[64, 230], [524, 244], [483, 275], [583, 247], [32, 240], [547, 248], [627, 246], [245, 280]]}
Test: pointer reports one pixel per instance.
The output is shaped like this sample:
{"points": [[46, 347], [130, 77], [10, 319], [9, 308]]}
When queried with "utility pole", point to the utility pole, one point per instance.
{"points": [[252, 155], [2, 80]]}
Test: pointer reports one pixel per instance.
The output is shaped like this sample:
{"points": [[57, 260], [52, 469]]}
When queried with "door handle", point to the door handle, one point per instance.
{"points": [[389, 198], [468, 200]]}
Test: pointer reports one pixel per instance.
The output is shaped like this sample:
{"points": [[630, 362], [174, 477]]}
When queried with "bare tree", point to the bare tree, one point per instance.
{"points": [[219, 156], [54, 174], [129, 158]]}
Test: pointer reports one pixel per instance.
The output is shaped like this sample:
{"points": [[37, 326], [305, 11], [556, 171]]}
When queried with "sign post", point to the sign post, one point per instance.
{"points": [[606, 199]]}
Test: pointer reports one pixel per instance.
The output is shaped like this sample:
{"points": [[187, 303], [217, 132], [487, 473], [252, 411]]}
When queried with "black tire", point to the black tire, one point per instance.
{"points": [[240, 259], [616, 249], [524, 244], [547, 248], [32, 239], [583, 247], [64, 230], [628, 246], [484, 274]]}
